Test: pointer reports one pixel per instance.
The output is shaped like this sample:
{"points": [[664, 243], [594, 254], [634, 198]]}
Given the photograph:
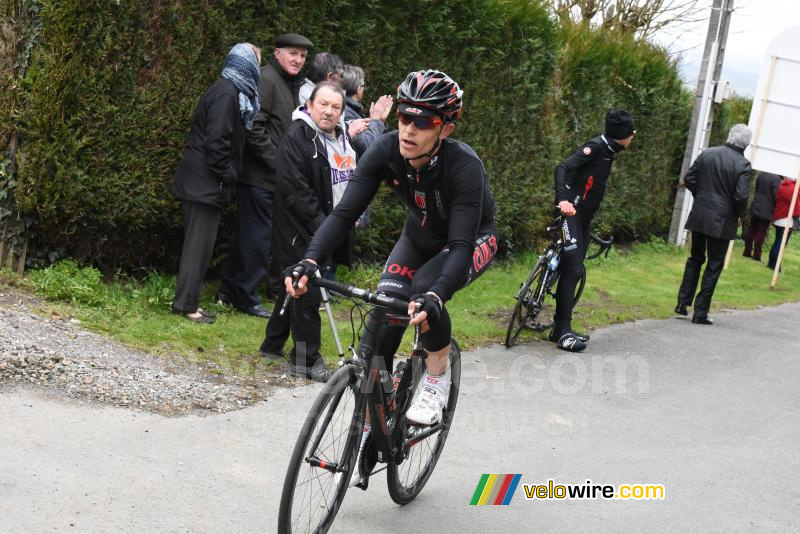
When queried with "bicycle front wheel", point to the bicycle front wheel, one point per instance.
{"points": [[526, 301], [406, 479], [323, 458]]}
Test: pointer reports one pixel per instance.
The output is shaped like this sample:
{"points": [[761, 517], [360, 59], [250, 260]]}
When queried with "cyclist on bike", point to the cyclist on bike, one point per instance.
{"points": [[580, 183], [449, 237]]}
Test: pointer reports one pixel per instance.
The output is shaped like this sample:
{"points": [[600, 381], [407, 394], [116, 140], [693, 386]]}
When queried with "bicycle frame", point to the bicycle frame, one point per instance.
{"points": [[384, 412]]}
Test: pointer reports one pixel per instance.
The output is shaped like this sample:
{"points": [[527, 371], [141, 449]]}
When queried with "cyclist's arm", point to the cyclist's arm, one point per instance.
{"points": [[580, 158], [465, 216], [359, 192]]}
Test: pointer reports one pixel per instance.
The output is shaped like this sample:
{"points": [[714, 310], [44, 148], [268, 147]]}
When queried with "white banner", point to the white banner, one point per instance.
{"points": [[775, 116]]}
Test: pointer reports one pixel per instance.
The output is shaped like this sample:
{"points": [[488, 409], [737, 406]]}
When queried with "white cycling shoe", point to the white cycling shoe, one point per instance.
{"points": [[427, 407]]}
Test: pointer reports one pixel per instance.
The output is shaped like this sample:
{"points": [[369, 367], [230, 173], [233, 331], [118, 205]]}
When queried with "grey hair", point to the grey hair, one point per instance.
{"points": [[322, 64], [352, 78], [740, 135]]}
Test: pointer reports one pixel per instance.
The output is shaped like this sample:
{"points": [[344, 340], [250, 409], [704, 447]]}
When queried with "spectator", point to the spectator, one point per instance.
{"points": [[760, 214], [324, 67], [781, 220], [362, 130], [315, 163], [719, 180], [210, 166], [248, 262]]}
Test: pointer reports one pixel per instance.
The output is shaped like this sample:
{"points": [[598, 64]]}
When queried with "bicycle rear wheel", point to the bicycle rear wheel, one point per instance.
{"points": [[406, 479], [529, 301], [323, 458]]}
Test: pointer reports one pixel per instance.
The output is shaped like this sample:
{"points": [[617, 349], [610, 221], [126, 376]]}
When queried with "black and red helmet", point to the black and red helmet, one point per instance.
{"points": [[433, 90]]}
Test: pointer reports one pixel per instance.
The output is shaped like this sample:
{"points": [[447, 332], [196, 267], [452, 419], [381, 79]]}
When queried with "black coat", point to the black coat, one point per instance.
{"points": [[581, 178], [303, 196], [719, 179], [212, 158], [764, 199], [278, 95]]}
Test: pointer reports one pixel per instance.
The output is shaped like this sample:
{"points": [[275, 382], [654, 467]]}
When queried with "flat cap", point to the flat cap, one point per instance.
{"points": [[292, 39]]}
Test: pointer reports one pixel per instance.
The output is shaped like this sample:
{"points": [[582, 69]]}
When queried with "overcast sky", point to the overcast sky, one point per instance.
{"points": [[754, 24]]}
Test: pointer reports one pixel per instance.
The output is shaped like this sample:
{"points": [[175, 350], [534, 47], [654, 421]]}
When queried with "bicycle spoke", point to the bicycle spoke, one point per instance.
{"points": [[321, 459]]}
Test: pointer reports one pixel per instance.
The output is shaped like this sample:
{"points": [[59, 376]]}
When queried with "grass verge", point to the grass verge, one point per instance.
{"points": [[637, 283]]}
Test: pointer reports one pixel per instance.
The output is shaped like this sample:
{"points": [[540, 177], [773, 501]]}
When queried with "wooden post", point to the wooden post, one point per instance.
{"points": [[728, 256], [21, 259], [785, 234]]}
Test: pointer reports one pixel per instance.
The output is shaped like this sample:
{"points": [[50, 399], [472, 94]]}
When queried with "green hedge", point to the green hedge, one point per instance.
{"points": [[599, 71], [111, 87]]}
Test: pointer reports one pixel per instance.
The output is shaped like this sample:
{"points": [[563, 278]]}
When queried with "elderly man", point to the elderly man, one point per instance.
{"points": [[324, 67], [248, 262], [315, 163], [719, 180]]}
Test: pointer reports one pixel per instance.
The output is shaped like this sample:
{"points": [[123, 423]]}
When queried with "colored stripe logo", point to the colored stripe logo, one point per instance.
{"points": [[495, 489]]}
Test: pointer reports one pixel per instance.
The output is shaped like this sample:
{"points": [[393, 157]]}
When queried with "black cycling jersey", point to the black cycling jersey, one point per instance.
{"points": [[581, 178], [449, 204]]}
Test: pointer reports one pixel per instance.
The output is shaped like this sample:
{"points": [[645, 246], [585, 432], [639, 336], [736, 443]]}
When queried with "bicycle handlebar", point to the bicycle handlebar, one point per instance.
{"points": [[393, 304], [605, 246]]}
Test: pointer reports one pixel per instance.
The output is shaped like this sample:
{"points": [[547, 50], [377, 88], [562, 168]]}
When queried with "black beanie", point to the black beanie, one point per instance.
{"points": [[619, 124]]}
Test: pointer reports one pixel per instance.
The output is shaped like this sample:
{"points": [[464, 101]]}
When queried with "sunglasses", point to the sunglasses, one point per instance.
{"points": [[421, 123]]}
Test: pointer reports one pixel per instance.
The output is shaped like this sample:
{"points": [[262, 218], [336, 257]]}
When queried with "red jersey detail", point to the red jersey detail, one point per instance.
{"points": [[588, 187]]}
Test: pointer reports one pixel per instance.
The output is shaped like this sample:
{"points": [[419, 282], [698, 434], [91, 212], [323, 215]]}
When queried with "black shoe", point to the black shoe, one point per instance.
{"points": [[271, 355], [702, 320], [223, 299], [680, 309], [317, 373], [256, 311], [571, 343], [583, 337]]}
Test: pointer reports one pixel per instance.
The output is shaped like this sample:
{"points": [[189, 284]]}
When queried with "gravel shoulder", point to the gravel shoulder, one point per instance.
{"points": [[58, 356]]}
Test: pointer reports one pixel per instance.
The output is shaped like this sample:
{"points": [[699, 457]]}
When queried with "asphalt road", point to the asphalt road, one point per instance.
{"points": [[710, 413]]}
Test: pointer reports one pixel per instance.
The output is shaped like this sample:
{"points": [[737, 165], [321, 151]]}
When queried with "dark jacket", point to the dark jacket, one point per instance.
{"points": [[764, 198], [581, 178], [212, 158], [278, 94], [719, 179], [354, 110], [303, 196]]}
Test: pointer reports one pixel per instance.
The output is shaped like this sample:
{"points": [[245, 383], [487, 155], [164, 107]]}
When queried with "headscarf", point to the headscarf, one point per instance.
{"points": [[242, 69]]}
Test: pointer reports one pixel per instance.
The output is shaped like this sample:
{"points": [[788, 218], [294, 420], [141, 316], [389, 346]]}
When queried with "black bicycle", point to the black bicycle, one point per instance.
{"points": [[533, 310], [327, 448]]}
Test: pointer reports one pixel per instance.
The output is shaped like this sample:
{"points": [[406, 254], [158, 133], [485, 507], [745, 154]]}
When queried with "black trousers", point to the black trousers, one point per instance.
{"points": [[302, 320], [200, 233], [576, 231], [248, 262], [716, 250]]}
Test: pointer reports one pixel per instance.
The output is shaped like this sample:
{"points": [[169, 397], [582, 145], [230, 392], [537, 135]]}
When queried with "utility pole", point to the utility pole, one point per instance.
{"points": [[702, 116]]}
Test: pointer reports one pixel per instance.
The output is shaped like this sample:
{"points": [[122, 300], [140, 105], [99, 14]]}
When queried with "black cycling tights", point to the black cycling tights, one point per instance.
{"points": [[576, 230], [409, 271]]}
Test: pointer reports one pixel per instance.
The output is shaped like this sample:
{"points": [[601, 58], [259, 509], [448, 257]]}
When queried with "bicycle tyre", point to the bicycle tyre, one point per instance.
{"points": [[403, 485], [521, 310], [335, 415]]}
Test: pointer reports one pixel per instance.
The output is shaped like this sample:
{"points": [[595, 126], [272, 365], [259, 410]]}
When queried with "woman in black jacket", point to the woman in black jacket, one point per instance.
{"points": [[210, 165]]}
